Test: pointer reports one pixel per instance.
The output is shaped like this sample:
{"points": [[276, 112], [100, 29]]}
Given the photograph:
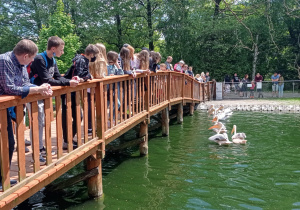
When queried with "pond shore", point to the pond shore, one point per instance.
{"points": [[256, 104]]}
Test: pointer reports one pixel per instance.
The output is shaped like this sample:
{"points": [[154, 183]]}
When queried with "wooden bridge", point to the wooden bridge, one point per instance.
{"points": [[140, 98]]}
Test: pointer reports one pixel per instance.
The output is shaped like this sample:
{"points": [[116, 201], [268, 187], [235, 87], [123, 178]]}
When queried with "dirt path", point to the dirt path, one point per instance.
{"points": [[256, 105], [254, 102]]}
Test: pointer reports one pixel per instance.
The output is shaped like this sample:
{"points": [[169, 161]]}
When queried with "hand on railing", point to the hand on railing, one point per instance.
{"points": [[73, 82], [45, 90], [133, 74]]}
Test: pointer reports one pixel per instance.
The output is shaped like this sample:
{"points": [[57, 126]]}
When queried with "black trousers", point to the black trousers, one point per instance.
{"points": [[64, 116], [90, 111]]}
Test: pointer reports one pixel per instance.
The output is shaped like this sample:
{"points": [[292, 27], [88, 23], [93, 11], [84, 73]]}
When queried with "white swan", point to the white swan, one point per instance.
{"points": [[238, 138]]}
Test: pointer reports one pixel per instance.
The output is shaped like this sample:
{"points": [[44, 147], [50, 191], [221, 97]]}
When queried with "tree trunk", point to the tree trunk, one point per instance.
{"points": [[150, 26], [255, 55], [217, 7], [119, 29]]}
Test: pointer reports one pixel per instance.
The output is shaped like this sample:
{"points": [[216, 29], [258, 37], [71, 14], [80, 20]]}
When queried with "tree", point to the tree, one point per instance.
{"points": [[60, 24]]}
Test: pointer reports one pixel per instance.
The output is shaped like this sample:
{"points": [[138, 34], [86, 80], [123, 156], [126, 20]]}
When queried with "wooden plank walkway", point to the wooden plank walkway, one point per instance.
{"points": [[14, 169]]}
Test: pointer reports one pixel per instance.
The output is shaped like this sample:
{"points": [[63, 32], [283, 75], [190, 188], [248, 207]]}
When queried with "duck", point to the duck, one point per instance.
{"points": [[238, 138]]}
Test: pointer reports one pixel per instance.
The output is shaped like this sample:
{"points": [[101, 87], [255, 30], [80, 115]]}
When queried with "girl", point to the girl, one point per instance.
{"points": [[143, 58], [252, 89], [113, 68], [134, 62], [244, 81], [280, 85], [98, 68], [154, 59]]}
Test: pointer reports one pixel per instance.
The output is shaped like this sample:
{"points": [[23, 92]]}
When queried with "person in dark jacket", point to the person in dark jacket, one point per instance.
{"points": [[44, 70], [80, 69]]}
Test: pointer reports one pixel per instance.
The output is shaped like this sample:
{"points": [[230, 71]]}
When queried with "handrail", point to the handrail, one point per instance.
{"points": [[114, 100]]}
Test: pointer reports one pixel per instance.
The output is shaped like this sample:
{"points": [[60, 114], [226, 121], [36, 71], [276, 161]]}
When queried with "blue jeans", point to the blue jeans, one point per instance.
{"points": [[11, 140], [280, 90]]}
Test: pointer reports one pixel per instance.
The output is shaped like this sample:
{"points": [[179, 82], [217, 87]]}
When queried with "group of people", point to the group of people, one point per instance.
{"points": [[182, 67], [241, 85], [24, 72]]}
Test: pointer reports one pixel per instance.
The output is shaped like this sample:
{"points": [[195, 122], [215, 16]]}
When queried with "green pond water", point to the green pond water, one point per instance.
{"points": [[187, 171]]}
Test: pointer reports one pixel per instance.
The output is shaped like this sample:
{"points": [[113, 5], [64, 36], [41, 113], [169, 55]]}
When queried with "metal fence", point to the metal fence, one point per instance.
{"points": [[265, 89]]}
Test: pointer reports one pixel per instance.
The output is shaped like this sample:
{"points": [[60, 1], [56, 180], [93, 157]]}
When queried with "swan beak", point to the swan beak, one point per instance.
{"points": [[214, 126], [215, 119], [232, 130]]}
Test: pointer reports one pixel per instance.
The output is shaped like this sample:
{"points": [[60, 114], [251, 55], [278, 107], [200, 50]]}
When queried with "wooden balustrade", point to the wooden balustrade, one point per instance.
{"points": [[114, 101]]}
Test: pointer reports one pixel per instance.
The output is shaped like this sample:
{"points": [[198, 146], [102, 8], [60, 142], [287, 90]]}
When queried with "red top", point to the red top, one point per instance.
{"points": [[258, 79]]}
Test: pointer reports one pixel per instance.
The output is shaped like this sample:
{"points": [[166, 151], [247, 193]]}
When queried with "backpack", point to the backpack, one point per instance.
{"points": [[43, 54], [175, 66]]}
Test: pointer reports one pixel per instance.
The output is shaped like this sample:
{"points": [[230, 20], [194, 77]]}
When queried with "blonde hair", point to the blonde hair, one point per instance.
{"points": [[143, 57], [131, 49], [102, 50], [197, 75], [98, 68]]}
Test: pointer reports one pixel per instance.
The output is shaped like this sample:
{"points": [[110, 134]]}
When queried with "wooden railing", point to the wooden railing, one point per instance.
{"points": [[117, 104]]}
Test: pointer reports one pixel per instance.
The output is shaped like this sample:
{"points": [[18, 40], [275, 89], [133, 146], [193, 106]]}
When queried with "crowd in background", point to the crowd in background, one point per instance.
{"points": [[241, 85]]}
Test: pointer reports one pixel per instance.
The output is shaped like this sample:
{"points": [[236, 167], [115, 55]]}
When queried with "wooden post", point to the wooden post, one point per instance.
{"points": [[208, 91], [192, 106], [147, 97], [180, 113], [169, 82], [215, 92], [144, 133], [95, 188], [165, 121]]}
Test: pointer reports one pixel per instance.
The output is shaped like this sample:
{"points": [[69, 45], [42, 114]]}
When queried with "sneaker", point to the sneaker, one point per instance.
{"points": [[27, 143], [90, 132], [44, 153], [26, 149], [65, 145], [42, 160]]}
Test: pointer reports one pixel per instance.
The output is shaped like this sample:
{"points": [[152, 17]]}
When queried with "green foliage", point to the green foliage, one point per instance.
{"points": [[60, 24], [219, 39]]}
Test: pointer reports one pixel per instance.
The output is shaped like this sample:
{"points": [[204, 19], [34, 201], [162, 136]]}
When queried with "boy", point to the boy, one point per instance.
{"points": [[80, 68], [190, 72], [44, 70], [275, 79], [168, 63]]}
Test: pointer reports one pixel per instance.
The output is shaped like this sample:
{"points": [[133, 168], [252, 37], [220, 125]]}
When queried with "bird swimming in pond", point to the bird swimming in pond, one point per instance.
{"points": [[226, 111], [218, 127], [221, 139], [238, 138]]}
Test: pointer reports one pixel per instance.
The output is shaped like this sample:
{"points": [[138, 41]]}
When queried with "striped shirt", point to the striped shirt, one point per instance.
{"points": [[13, 76]]}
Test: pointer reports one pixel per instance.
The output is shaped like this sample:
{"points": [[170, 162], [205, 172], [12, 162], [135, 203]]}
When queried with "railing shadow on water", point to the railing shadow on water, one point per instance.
{"points": [[265, 89], [115, 102]]}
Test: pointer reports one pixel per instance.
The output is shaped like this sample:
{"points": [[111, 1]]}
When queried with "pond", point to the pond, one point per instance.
{"points": [[187, 171]]}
